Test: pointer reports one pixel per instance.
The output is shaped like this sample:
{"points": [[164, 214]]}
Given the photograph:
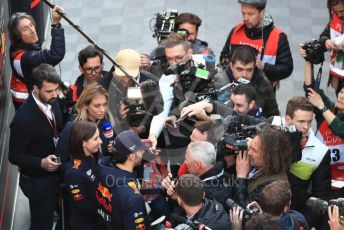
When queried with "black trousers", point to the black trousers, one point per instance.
{"points": [[41, 193]]}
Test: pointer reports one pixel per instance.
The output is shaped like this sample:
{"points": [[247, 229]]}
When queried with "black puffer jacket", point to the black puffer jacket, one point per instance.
{"points": [[217, 184], [266, 98], [284, 61], [212, 215]]}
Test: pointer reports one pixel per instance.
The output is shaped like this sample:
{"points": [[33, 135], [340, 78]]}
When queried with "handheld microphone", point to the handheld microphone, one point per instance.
{"points": [[151, 97], [107, 130], [209, 62]]}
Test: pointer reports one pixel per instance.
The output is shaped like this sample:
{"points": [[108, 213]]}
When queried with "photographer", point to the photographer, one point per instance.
{"points": [[330, 123], [258, 30], [200, 160], [199, 210], [275, 200], [266, 160], [331, 40]]}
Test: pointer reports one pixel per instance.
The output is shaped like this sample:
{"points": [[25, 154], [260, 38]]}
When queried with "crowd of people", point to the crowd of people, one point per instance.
{"points": [[209, 151]]}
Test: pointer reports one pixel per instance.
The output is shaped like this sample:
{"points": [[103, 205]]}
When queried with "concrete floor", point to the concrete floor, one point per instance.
{"points": [[118, 24]]}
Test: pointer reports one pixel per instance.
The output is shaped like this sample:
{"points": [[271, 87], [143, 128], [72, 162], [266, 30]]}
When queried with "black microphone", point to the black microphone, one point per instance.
{"points": [[177, 219], [107, 130], [151, 97]]}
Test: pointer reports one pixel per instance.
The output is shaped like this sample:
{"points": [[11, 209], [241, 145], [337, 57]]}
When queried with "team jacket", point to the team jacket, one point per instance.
{"points": [[277, 56], [80, 181], [25, 57], [119, 202]]}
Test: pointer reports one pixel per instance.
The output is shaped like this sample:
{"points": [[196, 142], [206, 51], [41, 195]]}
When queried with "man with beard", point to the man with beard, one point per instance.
{"points": [[34, 134], [119, 202], [257, 30], [26, 53]]}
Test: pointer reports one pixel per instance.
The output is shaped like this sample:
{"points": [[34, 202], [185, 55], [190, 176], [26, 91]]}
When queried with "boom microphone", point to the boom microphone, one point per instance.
{"points": [[151, 97], [107, 130]]}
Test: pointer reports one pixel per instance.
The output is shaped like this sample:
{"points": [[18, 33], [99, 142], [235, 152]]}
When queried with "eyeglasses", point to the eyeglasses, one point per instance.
{"points": [[90, 70], [177, 60]]}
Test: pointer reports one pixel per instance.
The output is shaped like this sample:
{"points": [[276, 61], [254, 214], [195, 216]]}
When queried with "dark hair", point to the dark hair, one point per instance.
{"points": [[13, 24], [275, 197], [298, 103], [190, 189], [175, 39], [245, 54], [245, 89], [81, 131], [210, 127], [89, 52], [263, 221], [276, 148], [45, 72], [188, 18], [332, 3], [119, 158]]}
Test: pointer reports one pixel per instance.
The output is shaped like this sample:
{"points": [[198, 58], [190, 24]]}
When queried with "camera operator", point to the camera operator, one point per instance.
{"points": [[200, 160], [189, 23], [129, 59], [258, 31], [178, 51], [243, 66], [276, 199], [331, 39], [199, 210], [330, 124], [266, 161]]}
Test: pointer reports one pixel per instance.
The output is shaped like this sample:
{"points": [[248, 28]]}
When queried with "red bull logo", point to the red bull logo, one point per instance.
{"points": [[105, 192]]}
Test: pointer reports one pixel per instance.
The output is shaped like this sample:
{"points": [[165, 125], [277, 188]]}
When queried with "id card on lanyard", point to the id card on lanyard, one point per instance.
{"points": [[52, 123]]}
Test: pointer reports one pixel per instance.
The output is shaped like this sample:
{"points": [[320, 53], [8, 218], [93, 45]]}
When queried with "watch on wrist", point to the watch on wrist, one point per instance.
{"points": [[57, 25], [323, 108]]}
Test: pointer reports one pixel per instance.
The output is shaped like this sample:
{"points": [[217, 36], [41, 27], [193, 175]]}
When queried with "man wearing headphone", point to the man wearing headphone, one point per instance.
{"points": [[257, 30]]}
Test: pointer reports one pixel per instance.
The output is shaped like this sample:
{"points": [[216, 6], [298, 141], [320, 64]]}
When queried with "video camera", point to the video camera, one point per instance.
{"points": [[236, 136], [247, 212], [164, 24], [319, 207], [194, 79], [133, 100], [314, 51]]}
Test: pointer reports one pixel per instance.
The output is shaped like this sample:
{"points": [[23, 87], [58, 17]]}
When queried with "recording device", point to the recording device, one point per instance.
{"points": [[236, 136], [57, 160], [133, 100], [107, 130], [164, 24], [182, 223], [247, 212], [319, 208], [314, 51], [151, 97], [194, 79]]}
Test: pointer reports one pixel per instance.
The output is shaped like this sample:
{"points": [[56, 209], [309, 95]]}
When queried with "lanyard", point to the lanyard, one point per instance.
{"points": [[52, 122]]}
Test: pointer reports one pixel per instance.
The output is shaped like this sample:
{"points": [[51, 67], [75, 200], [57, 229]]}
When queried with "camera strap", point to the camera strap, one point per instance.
{"points": [[318, 78]]}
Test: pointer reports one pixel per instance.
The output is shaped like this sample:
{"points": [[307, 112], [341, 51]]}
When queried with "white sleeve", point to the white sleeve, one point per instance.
{"points": [[166, 91]]}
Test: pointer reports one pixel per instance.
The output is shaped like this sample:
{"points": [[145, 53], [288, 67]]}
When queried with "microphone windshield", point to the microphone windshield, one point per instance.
{"points": [[107, 130], [151, 97]]}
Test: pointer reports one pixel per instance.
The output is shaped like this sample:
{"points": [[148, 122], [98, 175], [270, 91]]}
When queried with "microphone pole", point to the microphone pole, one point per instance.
{"points": [[90, 40]]}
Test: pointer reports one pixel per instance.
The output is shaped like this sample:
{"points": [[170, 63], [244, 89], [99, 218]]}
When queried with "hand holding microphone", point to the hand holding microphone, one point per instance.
{"points": [[108, 134]]}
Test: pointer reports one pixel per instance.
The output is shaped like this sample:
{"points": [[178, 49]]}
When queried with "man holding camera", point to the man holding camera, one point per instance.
{"points": [[258, 31], [35, 130], [332, 40], [200, 212]]}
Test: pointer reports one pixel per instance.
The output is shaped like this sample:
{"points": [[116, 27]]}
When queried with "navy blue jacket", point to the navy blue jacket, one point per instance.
{"points": [[31, 138], [80, 181], [120, 205]]}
